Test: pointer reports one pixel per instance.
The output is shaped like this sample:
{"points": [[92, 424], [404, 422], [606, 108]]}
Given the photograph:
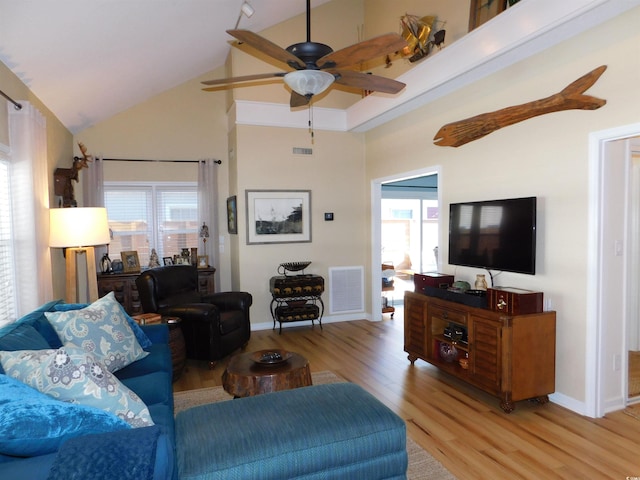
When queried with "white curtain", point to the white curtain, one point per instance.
{"points": [[208, 211], [30, 195], [93, 195]]}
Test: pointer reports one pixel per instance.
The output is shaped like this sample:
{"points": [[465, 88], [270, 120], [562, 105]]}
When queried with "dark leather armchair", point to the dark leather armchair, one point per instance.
{"points": [[214, 325]]}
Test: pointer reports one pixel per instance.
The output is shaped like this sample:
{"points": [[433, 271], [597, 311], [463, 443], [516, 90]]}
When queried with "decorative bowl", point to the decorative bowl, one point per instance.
{"points": [[270, 357], [292, 267]]}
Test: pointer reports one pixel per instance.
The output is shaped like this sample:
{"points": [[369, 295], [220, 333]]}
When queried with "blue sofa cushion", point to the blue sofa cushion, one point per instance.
{"points": [[23, 336], [73, 375], [142, 338], [100, 329], [32, 423]]}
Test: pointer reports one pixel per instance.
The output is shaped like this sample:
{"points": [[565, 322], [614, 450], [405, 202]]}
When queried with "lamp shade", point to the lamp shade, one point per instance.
{"points": [[309, 82], [78, 227]]}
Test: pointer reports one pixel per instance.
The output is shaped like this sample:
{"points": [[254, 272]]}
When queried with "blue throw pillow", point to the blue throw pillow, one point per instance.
{"points": [[101, 329], [71, 374], [32, 423], [142, 338]]}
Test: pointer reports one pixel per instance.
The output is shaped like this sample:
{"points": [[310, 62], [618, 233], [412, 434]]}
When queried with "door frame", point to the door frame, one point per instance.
{"points": [[376, 230], [601, 270]]}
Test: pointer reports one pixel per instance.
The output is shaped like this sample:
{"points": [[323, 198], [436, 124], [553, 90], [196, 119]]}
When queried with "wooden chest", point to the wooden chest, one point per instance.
{"points": [[514, 301], [432, 279]]}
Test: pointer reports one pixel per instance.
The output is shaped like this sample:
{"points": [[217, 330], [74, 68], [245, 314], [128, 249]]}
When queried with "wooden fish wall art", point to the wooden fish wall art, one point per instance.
{"points": [[571, 98]]}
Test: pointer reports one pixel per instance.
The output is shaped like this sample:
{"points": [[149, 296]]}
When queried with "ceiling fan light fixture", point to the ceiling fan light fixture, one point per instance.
{"points": [[309, 82]]}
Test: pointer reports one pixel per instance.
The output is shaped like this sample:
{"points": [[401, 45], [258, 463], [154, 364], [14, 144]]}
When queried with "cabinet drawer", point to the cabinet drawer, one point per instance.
{"points": [[448, 314]]}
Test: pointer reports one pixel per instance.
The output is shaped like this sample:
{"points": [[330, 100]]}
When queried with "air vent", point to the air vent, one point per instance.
{"points": [[346, 289], [302, 151]]}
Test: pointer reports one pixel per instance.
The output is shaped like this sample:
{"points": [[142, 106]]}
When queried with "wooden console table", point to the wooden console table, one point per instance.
{"points": [[509, 356], [123, 285]]}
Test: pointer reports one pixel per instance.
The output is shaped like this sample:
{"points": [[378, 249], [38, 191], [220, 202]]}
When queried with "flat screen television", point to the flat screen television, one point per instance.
{"points": [[494, 234]]}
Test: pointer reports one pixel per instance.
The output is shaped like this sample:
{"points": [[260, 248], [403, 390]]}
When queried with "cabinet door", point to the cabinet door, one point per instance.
{"points": [[206, 282], [415, 313], [486, 352]]}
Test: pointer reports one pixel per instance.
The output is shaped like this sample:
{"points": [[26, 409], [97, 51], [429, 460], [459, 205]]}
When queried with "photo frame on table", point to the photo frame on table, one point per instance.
{"points": [[130, 261], [232, 214], [278, 216], [203, 261], [167, 260]]}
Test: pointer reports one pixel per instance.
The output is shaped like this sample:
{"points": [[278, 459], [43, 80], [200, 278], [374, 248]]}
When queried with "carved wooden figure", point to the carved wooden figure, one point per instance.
{"points": [[465, 131], [63, 178]]}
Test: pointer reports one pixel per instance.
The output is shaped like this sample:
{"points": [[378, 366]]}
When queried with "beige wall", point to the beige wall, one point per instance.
{"points": [[59, 154], [334, 174], [545, 156]]}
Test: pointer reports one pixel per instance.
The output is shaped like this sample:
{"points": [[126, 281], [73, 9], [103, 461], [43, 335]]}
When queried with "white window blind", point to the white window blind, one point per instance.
{"points": [[163, 216], [8, 307]]}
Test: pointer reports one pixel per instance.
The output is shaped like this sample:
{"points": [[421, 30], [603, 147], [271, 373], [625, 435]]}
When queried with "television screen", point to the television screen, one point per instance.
{"points": [[494, 234]]}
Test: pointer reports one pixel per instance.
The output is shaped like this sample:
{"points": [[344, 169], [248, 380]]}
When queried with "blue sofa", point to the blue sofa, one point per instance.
{"points": [[107, 454]]}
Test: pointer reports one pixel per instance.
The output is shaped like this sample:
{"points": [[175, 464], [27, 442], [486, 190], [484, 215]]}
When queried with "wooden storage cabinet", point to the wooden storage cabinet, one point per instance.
{"points": [[510, 357], [123, 285]]}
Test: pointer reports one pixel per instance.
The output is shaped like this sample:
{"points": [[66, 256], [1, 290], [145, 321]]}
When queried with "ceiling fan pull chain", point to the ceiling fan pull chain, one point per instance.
{"points": [[311, 122]]}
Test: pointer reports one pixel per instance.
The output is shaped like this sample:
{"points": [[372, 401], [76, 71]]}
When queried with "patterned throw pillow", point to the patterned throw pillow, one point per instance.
{"points": [[70, 374], [101, 329]]}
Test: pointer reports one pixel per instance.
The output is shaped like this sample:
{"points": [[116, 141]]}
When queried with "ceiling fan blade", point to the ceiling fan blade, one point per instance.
{"points": [[298, 100], [267, 47], [363, 51], [245, 78], [366, 81]]}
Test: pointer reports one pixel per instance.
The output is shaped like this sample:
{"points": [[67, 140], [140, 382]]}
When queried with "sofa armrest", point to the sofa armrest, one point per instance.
{"points": [[226, 301], [157, 333]]}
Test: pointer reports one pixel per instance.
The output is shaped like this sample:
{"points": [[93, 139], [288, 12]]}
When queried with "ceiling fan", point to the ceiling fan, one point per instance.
{"points": [[316, 66]]}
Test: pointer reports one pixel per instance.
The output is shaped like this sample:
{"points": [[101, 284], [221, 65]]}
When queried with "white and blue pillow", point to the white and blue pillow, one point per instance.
{"points": [[72, 374], [100, 329]]}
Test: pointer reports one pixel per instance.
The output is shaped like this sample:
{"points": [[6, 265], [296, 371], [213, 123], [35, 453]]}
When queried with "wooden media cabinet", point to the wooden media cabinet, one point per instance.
{"points": [[509, 356]]}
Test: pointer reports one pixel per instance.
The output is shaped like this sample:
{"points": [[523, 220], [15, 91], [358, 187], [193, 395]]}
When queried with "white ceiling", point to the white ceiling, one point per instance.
{"points": [[90, 59]]}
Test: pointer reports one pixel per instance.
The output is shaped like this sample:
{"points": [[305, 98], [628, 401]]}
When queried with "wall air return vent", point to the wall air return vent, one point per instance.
{"points": [[302, 151], [346, 289]]}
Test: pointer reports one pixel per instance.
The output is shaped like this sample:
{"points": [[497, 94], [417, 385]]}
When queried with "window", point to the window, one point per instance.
{"points": [[163, 216], [8, 307]]}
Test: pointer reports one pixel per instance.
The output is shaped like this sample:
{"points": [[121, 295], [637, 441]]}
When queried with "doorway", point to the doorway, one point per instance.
{"points": [[405, 231], [614, 235]]}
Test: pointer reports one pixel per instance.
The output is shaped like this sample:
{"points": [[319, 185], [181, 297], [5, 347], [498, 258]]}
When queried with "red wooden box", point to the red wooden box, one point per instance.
{"points": [[435, 280], [514, 301]]}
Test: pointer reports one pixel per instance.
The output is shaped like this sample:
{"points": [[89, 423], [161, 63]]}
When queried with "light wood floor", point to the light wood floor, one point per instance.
{"points": [[462, 427]]}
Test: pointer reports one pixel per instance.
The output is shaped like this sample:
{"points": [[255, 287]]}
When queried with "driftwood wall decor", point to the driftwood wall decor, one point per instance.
{"points": [[571, 98]]}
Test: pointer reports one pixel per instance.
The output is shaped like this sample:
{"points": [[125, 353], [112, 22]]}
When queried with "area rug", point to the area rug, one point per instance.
{"points": [[422, 465]]}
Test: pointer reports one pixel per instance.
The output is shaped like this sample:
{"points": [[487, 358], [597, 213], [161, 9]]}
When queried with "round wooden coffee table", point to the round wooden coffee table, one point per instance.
{"points": [[244, 377]]}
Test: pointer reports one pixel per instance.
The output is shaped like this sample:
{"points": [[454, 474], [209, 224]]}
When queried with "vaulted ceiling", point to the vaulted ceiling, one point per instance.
{"points": [[89, 59]]}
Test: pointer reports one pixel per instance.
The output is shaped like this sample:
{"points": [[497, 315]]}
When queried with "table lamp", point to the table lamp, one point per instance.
{"points": [[79, 230]]}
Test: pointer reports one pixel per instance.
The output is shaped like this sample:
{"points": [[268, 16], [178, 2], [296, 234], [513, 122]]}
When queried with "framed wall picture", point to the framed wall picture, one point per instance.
{"points": [[130, 262], [278, 216], [232, 214]]}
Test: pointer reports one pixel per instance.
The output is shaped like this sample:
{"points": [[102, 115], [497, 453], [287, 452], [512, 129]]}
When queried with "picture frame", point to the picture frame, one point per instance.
{"points": [[232, 215], [167, 260], [278, 216], [130, 261], [203, 261]]}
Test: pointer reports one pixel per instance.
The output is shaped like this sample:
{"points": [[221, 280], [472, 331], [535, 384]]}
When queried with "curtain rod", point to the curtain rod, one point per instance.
{"points": [[219, 162], [15, 104]]}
